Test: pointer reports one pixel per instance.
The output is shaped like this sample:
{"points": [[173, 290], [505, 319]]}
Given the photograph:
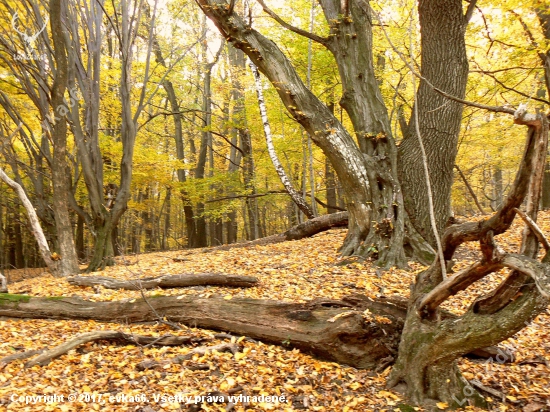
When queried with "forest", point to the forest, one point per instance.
{"points": [[333, 205]]}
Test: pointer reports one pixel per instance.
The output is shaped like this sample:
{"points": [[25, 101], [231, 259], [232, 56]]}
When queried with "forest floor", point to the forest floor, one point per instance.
{"points": [[104, 375]]}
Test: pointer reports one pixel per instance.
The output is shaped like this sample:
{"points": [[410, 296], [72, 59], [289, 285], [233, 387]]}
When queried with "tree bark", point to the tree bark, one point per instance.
{"points": [[368, 176], [316, 225], [68, 264], [355, 331], [444, 64], [430, 345], [172, 281], [293, 193], [34, 222], [333, 330]]}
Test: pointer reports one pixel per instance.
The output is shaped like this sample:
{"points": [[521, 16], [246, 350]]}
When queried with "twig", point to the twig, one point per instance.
{"points": [[83, 338], [490, 391], [470, 190], [534, 228], [202, 350]]}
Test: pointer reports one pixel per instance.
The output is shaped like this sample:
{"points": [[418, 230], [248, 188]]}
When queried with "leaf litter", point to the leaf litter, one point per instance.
{"points": [[295, 271]]}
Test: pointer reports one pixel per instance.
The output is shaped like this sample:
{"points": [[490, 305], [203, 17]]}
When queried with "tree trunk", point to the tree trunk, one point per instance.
{"points": [[546, 188], [336, 330], [430, 346], [206, 138], [80, 251], [316, 225], [35, 224], [331, 187], [68, 264], [293, 193], [368, 176], [18, 238], [249, 184], [167, 213], [100, 256], [168, 281], [498, 190], [442, 27], [333, 330]]}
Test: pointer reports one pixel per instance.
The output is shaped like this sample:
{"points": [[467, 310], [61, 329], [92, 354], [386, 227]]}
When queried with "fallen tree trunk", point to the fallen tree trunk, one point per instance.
{"points": [[337, 330], [317, 225], [332, 330], [301, 231], [170, 281]]}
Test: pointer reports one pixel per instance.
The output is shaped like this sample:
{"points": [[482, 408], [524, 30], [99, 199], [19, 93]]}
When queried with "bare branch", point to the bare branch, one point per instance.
{"points": [[469, 12], [539, 272], [470, 190], [501, 84], [534, 228], [496, 109], [274, 16]]}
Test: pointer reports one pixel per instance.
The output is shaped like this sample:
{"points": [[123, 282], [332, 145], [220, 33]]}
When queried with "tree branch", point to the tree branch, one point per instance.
{"points": [[496, 109], [539, 272], [452, 285], [534, 228], [274, 16], [469, 12], [470, 190]]}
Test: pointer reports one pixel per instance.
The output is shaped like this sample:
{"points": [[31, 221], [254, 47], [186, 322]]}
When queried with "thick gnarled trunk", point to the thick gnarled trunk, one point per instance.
{"points": [[368, 176], [430, 346]]}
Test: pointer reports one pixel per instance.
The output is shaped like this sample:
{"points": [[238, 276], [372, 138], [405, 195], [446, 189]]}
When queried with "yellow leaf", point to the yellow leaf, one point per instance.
{"points": [[239, 356], [228, 297], [442, 405], [355, 386]]}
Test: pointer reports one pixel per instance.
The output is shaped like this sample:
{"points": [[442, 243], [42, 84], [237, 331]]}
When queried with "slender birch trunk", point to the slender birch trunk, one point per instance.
{"points": [[296, 197]]}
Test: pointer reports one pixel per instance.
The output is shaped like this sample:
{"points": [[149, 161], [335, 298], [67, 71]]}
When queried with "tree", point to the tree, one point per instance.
{"points": [[296, 197], [35, 225], [367, 170], [442, 27], [39, 74], [429, 345], [109, 201], [61, 188]]}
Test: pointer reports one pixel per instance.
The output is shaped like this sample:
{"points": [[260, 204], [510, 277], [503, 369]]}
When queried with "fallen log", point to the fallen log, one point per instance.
{"points": [[317, 225], [169, 281], [303, 230], [336, 330], [317, 328]]}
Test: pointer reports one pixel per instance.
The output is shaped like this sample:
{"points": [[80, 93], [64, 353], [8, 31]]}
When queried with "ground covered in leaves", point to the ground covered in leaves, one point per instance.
{"points": [[104, 375]]}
